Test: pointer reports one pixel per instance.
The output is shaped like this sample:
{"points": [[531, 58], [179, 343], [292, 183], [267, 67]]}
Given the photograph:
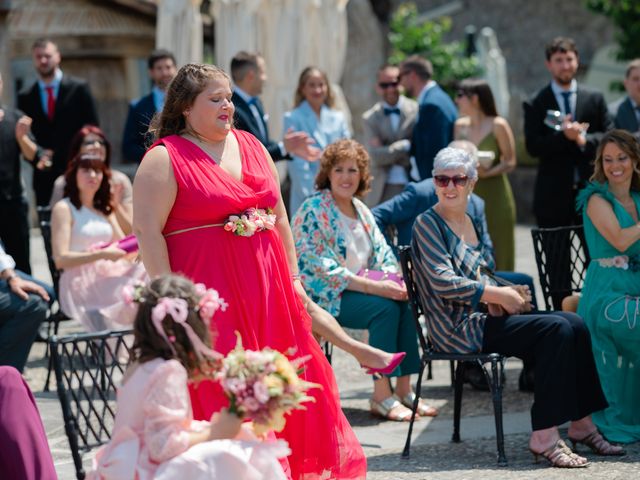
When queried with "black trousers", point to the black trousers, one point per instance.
{"points": [[14, 231], [567, 386]]}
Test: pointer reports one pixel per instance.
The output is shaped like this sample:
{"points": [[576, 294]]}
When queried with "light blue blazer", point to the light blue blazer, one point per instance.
{"points": [[329, 127]]}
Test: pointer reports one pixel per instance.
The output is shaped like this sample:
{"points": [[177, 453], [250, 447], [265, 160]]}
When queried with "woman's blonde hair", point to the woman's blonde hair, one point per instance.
{"points": [[188, 83], [629, 145], [330, 101], [344, 150]]}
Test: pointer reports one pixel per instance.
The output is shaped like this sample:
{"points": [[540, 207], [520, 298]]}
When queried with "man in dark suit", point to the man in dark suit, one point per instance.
{"points": [[248, 71], [565, 153], [436, 115], [59, 106], [626, 111], [565, 150], [162, 69]]}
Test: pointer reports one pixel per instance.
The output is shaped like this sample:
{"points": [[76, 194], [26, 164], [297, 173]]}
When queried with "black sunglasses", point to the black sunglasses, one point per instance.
{"points": [[384, 85], [442, 181]]}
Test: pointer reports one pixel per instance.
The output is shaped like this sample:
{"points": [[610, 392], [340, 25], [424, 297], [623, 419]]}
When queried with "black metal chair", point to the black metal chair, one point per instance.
{"points": [[562, 259], [89, 367], [56, 315], [462, 360]]}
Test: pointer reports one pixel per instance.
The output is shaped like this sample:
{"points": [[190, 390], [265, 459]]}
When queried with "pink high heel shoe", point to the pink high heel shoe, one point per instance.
{"points": [[395, 361]]}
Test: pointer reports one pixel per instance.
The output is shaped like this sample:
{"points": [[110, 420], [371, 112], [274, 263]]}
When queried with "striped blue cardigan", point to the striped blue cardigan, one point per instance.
{"points": [[449, 283]]}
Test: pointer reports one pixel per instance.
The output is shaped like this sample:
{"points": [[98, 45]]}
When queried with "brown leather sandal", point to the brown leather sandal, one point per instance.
{"points": [[561, 456], [598, 444]]}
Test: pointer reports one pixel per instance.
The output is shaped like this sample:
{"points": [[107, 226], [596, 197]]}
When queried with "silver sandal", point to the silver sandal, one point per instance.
{"points": [[383, 409]]}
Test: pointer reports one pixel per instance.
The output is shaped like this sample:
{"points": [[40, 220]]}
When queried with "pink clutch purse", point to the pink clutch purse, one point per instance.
{"points": [[128, 244], [380, 275]]}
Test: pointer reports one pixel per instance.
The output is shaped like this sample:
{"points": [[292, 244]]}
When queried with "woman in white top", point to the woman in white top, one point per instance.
{"points": [[337, 240], [82, 225]]}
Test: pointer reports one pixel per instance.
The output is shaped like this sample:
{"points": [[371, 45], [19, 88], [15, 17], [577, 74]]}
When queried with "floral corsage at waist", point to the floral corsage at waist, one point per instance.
{"points": [[624, 262], [252, 221]]}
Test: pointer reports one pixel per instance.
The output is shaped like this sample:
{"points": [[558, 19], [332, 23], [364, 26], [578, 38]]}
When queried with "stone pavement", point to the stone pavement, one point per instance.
{"points": [[433, 456]]}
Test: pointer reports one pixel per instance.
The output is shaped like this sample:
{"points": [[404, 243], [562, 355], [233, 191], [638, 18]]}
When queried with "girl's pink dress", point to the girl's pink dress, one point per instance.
{"points": [[252, 274], [150, 438]]}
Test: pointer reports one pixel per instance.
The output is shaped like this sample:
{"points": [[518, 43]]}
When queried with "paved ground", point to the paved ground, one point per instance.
{"points": [[433, 456]]}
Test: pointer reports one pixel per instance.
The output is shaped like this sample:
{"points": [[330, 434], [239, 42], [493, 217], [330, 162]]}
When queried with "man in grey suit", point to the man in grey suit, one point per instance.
{"points": [[626, 111], [388, 127]]}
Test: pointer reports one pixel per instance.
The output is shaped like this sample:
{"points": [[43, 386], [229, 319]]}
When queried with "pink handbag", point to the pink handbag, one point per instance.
{"points": [[128, 244], [380, 275]]}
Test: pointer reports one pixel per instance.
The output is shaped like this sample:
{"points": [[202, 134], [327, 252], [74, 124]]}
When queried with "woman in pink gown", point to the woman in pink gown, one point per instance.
{"points": [[191, 181]]}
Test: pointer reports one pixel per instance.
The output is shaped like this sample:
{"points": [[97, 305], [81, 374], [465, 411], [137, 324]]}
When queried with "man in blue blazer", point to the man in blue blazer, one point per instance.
{"points": [[135, 140], [248, 72], [436, 115], [626, 111]]}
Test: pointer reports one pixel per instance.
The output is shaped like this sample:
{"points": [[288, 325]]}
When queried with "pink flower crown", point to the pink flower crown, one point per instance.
{"points": [[178, 309]]}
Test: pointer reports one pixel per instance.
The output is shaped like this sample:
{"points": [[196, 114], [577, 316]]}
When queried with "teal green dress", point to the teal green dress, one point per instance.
{"points": [[500, 209], [610, 307]]}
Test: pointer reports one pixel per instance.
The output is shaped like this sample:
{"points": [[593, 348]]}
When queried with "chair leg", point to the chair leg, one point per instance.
{"points": [[452, 372], [496, 394], [457, 402], [407, 445], [429, 370]]}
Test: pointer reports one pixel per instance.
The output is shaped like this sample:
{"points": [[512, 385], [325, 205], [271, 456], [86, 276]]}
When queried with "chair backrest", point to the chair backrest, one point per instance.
{"points": [[406, 261], [562, 259], [89, 367], [44, 220]]}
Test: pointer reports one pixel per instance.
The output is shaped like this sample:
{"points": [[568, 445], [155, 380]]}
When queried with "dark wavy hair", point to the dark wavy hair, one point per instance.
{"points": [[149, 344], [330, 101], [480, 87], [345, 150], [102, 198], [188, 83], [629, 145], [78, 138]]}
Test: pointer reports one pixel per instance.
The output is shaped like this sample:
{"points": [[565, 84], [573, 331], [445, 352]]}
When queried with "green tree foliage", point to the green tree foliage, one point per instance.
{"points": [[409, 35], [626, 16]]}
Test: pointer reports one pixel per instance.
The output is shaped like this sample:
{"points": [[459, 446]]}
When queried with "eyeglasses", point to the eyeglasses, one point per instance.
{"points": [[89, 143], [442, 181], [461, 93], [384, 85]]}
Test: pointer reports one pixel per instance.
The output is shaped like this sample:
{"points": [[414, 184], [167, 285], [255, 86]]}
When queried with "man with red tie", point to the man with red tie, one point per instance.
{"points": [[59, 106]]}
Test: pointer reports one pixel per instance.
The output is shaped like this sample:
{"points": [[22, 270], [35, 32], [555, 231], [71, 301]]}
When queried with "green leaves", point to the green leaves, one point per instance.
{"points": [[625, 14], [409, 35]]}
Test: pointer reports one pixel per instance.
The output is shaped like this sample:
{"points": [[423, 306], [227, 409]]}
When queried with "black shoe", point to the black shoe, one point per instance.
{"points": [[474, 375], [526, 380]]}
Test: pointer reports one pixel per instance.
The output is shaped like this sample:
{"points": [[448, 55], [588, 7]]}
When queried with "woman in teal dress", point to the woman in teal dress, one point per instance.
{"points": [[610, 302], [480, 123]]}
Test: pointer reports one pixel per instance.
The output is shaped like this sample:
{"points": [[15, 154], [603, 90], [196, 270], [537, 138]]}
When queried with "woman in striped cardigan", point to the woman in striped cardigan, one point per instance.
{"points": [[449, 260]]}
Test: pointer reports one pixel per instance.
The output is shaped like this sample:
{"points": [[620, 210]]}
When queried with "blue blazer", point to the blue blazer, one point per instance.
{"points": [[135, 138], [434, 128], [416, 198]]}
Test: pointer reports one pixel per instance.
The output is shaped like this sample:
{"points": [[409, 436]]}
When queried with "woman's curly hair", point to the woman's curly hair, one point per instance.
{"points": [[629, 145], [339, 151]]}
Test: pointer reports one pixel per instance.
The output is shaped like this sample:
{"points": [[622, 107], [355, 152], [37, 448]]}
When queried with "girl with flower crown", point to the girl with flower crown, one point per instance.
{"points": [[155, 436]]}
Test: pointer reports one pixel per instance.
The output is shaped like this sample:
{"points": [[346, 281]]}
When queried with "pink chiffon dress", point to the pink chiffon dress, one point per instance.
{"points": [[92, 292], [252, 274], [150, 438]]}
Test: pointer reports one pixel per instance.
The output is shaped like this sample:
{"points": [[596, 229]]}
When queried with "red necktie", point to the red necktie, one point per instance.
{"points": [[51, 102]]}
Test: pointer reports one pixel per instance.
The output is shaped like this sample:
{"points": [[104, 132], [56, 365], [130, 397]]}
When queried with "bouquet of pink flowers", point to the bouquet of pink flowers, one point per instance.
{"points": [[263, 386], [252, 221]]}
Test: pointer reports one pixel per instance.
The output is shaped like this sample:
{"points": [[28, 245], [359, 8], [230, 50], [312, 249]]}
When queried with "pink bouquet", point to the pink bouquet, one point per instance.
{"points": [[263, 386], [252, 221]]}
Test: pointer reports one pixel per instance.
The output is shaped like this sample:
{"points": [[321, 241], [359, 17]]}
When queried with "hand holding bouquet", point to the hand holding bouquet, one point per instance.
{"points": [[263, 386]]}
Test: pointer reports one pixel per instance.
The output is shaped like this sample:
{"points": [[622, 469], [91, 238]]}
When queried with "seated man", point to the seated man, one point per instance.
{"points": [[401, 212], [23, 307]]}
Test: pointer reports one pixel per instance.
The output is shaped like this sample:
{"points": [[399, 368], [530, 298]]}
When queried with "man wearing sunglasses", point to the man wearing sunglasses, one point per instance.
{"points": [[388, 127]]}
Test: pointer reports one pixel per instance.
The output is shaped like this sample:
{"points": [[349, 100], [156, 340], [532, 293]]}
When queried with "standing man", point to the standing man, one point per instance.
{"points": [[162, 69], [436, 115], [388, 127], [248, 71], [59, 106], [626, 111], [565, 154], [14, 209], [565, 151]]}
